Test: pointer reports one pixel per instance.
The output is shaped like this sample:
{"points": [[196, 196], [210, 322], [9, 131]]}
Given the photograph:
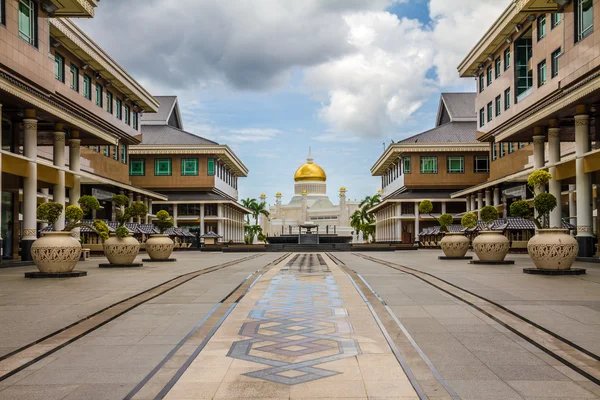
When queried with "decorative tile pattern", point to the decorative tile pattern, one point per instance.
{"points": [[298, 324]]}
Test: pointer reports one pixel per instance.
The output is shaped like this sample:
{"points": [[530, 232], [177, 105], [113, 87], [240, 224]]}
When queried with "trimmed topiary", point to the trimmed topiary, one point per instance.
{"points": [[488, 214], [49, 212], [469, 220], [164, 221], [425, 207], [445, 220], [520, 208]]}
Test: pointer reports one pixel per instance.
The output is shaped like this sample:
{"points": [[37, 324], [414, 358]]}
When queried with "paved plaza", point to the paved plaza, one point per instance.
{"points": [[377, 325]]}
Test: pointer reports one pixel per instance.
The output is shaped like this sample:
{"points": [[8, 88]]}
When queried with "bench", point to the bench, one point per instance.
{"points": [[85, 254]]}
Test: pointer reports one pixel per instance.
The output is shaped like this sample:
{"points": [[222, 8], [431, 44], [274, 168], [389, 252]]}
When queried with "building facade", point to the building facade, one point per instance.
{"points": [[538, 94], [200, 177], [430, 166], [69, 113], [309, 205]]}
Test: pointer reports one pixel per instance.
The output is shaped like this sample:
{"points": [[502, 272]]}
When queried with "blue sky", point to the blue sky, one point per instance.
{"points": [[271, 77]]}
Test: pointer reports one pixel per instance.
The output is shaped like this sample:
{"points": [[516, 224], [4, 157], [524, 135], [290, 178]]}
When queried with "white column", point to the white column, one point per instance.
{"points": [[130, 194], [175, 215], [468, 201], [220, 220], [554, 184], [46, 193], [443, 207], [496, 196], [505, 203], [473, 202], [59, 161], [417, 230], [29, 230], [538, 151], [74, 165], [572, 206], [138, 199], [584, 193], [488, 197], [479, 200], [150, 210], [202, 219]]}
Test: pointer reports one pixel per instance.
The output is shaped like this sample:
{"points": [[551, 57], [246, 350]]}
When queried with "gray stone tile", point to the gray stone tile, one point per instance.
{"points": [[508, 358], [528, 373], [475, 371], [37, 392], [99, 392], [551, 389], [484, 390]]}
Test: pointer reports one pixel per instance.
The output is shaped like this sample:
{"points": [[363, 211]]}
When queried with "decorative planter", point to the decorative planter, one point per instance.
{"points": [[159, 247], [121, 250], [491, 246], [56, 252], [553, 249], [454, 244]]}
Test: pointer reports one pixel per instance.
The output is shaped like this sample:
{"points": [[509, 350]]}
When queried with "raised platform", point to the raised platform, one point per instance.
{"points": [[45, 275], [503, 262], [455, 258], [134, 265], [159, 260], [572, 271]]}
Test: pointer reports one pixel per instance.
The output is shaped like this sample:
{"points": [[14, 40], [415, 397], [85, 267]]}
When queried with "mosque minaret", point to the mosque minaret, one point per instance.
{"points": [[310, 205]]}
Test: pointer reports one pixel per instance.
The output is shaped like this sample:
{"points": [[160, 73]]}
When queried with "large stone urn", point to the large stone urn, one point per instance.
{"points": [[553, 249], [159, 247], [491, 246], [56, 252], [121, 250], [454, 244]]}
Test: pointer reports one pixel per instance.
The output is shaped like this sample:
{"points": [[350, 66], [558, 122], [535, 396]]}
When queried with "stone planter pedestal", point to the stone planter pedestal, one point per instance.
{"points": [[491, 247], [454, 245], [553, 249]]}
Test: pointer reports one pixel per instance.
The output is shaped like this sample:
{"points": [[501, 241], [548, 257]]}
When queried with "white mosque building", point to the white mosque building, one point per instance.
{"points": [[310, 205]]}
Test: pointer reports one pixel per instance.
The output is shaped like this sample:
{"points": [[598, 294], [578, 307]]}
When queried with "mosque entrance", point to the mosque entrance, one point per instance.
{"points": [[308, 234]]}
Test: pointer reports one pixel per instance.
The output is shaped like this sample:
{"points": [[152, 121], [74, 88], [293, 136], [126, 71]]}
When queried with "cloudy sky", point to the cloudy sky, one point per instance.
{"points": [[272, 77]]}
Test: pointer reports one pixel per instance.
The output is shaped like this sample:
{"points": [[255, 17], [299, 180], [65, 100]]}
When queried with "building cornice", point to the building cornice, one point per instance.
{"points": [[75, 8], [85, 48]]}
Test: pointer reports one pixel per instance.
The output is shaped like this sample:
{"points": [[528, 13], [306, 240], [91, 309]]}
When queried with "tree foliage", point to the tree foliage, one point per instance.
{"points": [[164, 221], [520, 208], [125, 212], [445, 220], [539, 179], [49, 212], [488, 214], [426, 207], [469, 220], [362, 220]]}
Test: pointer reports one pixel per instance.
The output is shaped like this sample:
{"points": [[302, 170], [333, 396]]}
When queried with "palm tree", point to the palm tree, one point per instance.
{"points": [[258, 209], [362, 220], [249, 204]]}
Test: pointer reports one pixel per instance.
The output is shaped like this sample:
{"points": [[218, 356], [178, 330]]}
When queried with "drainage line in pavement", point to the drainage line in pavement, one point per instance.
{"points": [[201, 346], [189, 276], [567, 342], [401, 360]]}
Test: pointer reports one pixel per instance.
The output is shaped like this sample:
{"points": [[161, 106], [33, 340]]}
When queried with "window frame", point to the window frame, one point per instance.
{"points": [[59, 67], [127, 114], [183, 170], [498, 67], [124, 153], [116, 153], [424, 159], [490, 111], [74, 78], [109, 102], [507, 99], [494, 152], [211, 166], [579, 33], [106, 151], [542, 73], [406, 161], [498, 105], [134, 161], [555, 63], [481, 82], [507, 58], [157, 161], [482, 117], [476, 159], [87, 86], [511, 147], [502, 149], [3, 12], [541, 27], [118, 108], [449, 159], [99, 94], [490, 75], [33, 25], [135, 120], [555, 19]]}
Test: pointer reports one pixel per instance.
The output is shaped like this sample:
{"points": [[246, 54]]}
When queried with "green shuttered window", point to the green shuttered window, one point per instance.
{"points": [[162, 167], [189, 166]]}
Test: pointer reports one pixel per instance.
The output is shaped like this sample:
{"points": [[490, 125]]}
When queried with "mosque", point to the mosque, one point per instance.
{"points": [[310, 205]]}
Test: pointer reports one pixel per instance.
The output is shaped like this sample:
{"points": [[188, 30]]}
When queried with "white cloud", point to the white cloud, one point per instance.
{"points": [[251, 135]]}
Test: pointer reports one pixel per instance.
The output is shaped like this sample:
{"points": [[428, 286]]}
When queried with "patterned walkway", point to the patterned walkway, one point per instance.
{"points": [[302, 331]]}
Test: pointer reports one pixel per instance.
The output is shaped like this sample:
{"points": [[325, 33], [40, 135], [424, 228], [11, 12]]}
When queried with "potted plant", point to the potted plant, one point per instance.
{"points": [[551, 248], [453, 244], [490, 245], [160, 246], [58, 252], [121, 248]]}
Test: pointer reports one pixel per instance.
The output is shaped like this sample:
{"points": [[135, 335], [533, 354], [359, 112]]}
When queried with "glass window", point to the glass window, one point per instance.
{"points": [[189, 166], [481, 83], [498, 67], [541, 27], [555, 19], [107, 151], [498, 105], [555, 56], [74, 78], [98, 95], [119, 108], [127, 114], [3, 12], [494, 154], [137, 167], [456, 164], [109, 102], [511, 147], [489, 111], [211, 166], [524, 72], [507, 58], [542, 73], [124, 154], [406, 161], [429, 165], [507, 99], [489, 75], [502, 149], [59, 67], [162, 167], [521, 145], [87, 87], [135, 120], [27, 21], [481, 117], [584, 18], [116, 153], [482, 164], [96, 149]]}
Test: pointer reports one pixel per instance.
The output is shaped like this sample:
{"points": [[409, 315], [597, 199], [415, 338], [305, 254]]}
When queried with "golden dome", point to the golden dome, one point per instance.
{"points": [[278, 194], [343, 189], [262, 196], [310, 172]]}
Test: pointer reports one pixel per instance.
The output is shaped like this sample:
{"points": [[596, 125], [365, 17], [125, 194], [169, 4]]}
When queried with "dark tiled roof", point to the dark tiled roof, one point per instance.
{"points": [[166, 105], [166, 134], [196, 196], [148, 229], [417, 194], [210, 234], [452, 132], [460, 105]]}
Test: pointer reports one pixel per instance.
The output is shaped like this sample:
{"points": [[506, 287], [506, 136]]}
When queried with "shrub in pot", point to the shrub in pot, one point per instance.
{"points": [[122, 248], [58, 252], [453, 244], [551, 247], [490, 245], [160, 246]]}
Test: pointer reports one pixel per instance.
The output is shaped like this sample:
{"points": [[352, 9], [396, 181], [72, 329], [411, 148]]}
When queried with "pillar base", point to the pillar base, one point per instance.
{"points": [[586, 246], [26, 249]]}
